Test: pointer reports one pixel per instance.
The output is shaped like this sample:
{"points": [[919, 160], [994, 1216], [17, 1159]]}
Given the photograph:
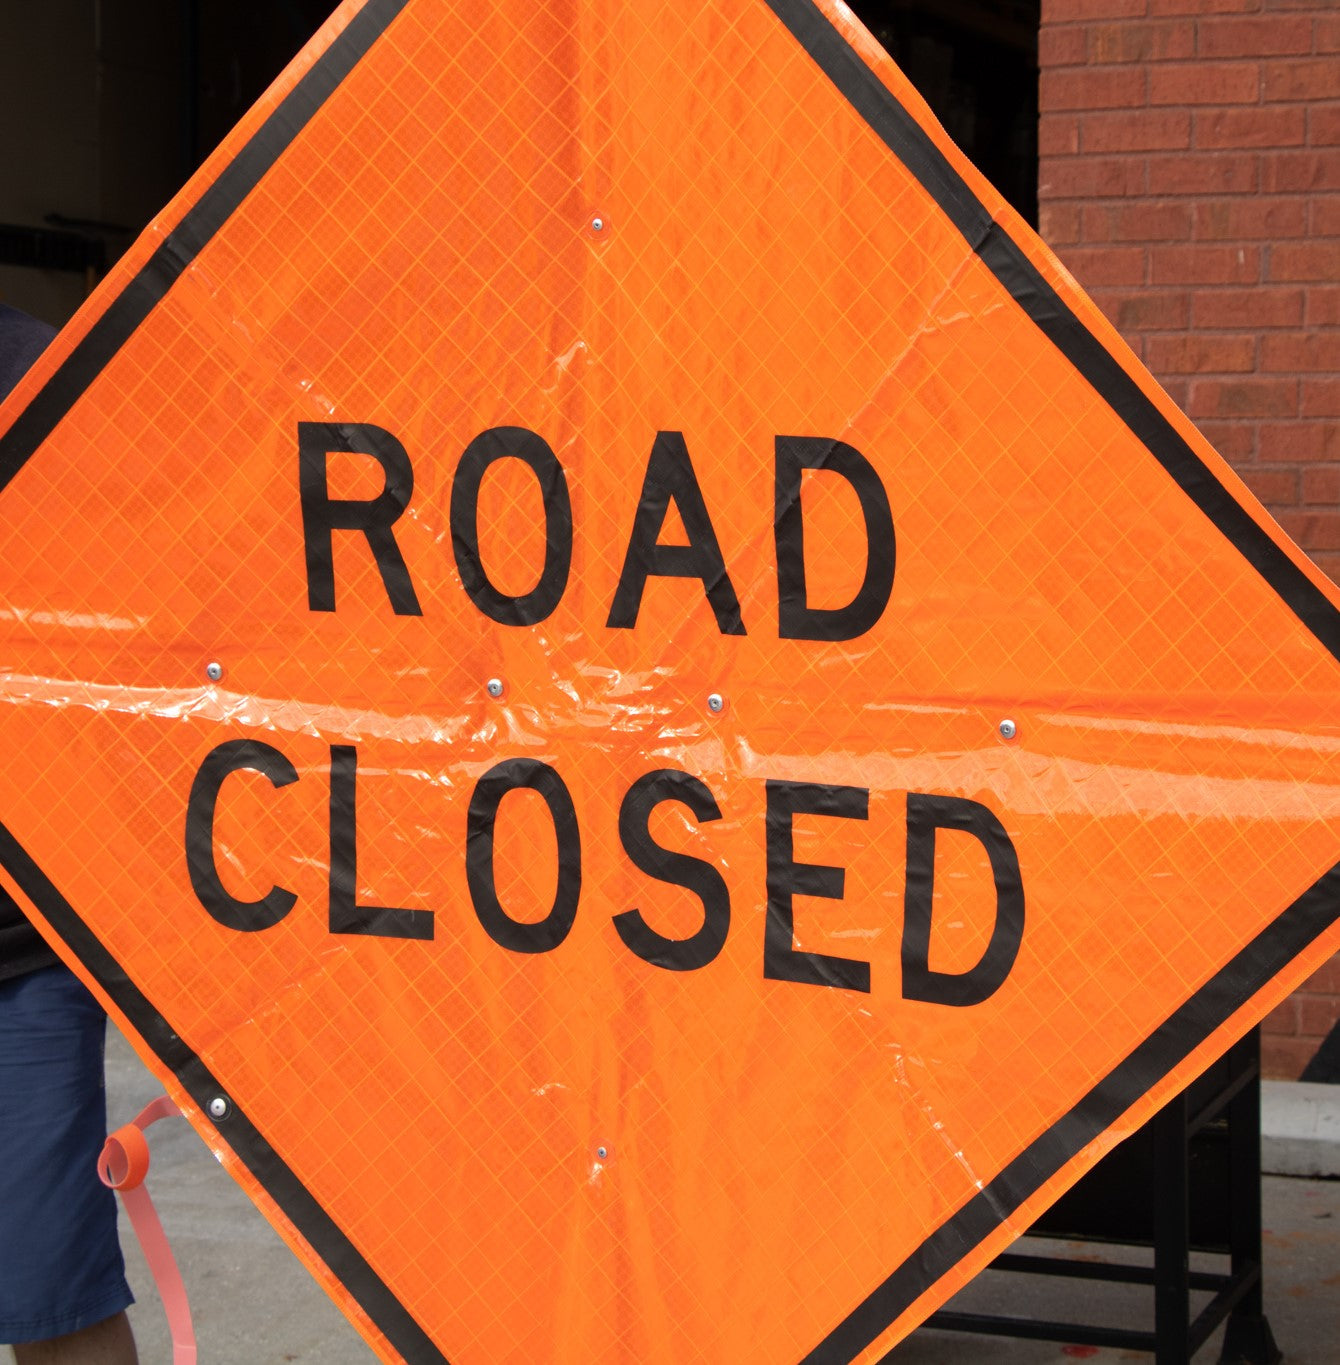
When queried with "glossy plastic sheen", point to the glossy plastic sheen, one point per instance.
{"points": [[502, 1144]]}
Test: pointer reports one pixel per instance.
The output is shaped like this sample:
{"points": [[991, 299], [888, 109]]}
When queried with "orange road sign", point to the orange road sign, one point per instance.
{"points": [[653, 725]]}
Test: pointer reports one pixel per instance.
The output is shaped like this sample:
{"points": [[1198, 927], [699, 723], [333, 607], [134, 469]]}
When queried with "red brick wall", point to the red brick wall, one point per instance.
{"points": [[1293, 1032], [1189, 176]]}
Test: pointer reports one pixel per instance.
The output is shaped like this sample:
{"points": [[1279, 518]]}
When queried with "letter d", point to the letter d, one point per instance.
{"points": [[926, 814]]}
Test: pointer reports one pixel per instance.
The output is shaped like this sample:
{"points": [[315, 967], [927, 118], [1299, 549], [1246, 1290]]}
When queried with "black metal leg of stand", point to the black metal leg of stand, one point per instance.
{"points": [[1247, 1336], [1172, 1235]]}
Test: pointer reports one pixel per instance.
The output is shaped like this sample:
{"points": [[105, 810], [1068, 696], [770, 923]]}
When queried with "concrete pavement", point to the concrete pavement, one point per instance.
{"points": [[254, 1304]]}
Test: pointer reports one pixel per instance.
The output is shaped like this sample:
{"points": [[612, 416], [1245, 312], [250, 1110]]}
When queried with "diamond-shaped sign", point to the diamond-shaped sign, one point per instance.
{"points": [[599, 641]]}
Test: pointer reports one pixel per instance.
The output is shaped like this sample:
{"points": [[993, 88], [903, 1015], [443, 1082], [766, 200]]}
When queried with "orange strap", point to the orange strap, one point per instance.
{"points": [[123, 1164]]}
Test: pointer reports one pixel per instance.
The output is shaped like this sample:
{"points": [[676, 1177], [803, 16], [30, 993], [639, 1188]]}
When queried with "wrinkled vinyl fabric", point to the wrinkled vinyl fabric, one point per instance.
{"points": [[603, 652]]}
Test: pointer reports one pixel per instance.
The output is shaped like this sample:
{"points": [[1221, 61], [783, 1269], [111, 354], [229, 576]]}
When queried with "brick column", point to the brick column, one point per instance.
{"points": [[1189, 177]]}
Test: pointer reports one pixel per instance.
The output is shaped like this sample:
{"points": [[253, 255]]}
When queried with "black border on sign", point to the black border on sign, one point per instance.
{"points": [[1298, 926], [272, 1173], [195, 231], [32, 426], [914, 147], [1284, 938], [1171, 1043]]}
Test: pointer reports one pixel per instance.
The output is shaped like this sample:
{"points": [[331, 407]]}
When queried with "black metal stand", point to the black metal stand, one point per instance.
{"points": [[1189, 1180]]}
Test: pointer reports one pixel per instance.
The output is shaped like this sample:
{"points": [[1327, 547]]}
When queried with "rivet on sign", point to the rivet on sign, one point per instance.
{"points": [[1008, 729], [218, 1107], [602, 1152], [597, 225], [495, 687], [214, 671], [716, 703]]}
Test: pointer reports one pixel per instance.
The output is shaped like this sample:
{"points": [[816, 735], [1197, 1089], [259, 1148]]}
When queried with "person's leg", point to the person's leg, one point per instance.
{"points": [[109, 1342], [61, 1273]]}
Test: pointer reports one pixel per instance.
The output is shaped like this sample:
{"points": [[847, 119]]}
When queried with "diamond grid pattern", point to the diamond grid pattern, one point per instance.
{"points": [[422, 258]]}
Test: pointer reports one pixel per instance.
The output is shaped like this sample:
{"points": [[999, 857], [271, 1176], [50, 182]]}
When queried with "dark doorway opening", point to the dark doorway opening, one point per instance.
{"points": [[108, 108], [233, 49], [975, 62]]}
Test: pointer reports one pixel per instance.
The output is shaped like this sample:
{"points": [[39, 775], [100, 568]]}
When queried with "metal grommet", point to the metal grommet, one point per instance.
{"points": [[716, 703], [213, 670], [1008, 729], [495, 687], [597, 225], [219, 1108]]}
